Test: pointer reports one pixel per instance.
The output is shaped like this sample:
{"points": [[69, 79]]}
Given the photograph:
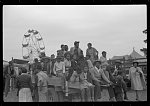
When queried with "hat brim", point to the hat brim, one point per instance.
{"points": [[96, 62]]}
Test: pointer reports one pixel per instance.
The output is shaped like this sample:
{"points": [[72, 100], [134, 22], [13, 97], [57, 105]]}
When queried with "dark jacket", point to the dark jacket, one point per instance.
{"points": [[24, 81], [118, 85]]}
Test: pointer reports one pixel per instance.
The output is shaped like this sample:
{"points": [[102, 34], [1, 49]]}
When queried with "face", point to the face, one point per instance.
{"points": [[104, 54], [68, 57], [58, 60], [66, 48], [63, 47], [104, 67], [97, 64], [74, 57], [77, 45], [135, 64], [85, 69], [89, 45]]}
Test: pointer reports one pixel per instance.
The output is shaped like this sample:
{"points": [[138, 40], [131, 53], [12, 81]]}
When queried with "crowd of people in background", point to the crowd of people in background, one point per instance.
{"points": [[72, 66]]}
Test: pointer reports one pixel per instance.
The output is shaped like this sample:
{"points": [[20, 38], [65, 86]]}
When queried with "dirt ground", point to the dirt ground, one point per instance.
{"points": [[105, 97]]}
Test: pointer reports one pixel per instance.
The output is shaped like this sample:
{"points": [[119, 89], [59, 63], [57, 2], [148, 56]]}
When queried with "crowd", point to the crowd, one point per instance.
{"points": [[72, 66]]}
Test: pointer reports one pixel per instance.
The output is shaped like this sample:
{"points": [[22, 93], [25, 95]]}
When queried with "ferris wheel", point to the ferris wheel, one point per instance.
{"points": [[32, 45]]}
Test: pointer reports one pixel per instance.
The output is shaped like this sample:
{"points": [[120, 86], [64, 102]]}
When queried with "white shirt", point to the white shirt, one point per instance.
{"points": [[98, 70], [67, 63], [85, 75], [59, 66], [103, 60]]}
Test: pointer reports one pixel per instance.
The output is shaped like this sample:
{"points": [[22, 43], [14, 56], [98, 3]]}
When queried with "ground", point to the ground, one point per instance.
{"points": [[105, 97]]}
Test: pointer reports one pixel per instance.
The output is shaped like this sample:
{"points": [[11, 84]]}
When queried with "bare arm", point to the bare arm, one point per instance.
{"points": [[54, 69], [63, 67]]}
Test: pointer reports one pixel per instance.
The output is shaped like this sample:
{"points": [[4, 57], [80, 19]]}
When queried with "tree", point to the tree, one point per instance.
{"points": [[144, 50]]}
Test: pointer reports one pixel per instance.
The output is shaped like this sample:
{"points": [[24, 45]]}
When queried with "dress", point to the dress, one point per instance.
{"points": [[137, 79], [93, 53]]}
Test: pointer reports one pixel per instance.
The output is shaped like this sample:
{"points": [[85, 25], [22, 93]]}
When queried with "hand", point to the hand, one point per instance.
{"points": [[111, 83]]}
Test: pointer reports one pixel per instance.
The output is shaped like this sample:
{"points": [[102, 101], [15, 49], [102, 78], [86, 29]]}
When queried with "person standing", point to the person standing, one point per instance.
{"points": [[137, 79], [76, 50], [42, 85], [61, 52], [25, 86], [92, 52], [34, 79]]}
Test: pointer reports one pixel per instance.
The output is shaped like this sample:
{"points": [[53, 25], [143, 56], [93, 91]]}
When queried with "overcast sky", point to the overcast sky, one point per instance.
{"points": [[113, 28]]}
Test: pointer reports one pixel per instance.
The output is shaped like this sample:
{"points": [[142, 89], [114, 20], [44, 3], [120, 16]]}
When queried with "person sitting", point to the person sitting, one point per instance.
{"points": [[97, 76], [90, 65], [86, 80], [92, 52]]}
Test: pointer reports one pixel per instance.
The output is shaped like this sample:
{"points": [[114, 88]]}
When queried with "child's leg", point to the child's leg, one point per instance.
{"points": [[92, 92], [83, 94], [88, 95]]}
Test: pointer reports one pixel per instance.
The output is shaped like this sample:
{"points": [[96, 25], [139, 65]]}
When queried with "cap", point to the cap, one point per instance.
{"points": [[96, 61], [76, 42]]}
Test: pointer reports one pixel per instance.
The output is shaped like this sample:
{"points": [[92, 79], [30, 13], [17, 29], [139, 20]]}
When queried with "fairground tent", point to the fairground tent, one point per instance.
{"points": [[133, 55]]}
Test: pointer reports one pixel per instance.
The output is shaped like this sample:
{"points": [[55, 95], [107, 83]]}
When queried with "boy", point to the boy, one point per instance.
{"points": [[118, 87], [85, 79]]}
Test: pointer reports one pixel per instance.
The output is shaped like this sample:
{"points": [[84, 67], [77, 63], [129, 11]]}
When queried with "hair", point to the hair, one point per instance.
{"points": [[36, 60], [23, 70], [67, 53], [66, 47], [103, 52], [62, 45], [90, 44]]}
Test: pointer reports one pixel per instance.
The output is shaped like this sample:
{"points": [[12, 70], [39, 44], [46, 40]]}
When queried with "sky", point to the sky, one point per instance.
{"points": [[115, 29]]}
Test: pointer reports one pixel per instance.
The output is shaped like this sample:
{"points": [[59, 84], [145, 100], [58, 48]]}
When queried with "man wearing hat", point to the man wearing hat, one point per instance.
{"points": [[97, 75], [76, 50]]}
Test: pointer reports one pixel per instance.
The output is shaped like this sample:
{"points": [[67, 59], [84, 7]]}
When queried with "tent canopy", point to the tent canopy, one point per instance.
{"points": [[133, 55]]}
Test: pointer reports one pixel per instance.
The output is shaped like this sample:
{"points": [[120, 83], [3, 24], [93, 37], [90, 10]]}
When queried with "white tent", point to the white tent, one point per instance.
{"points": [[135, 55]]}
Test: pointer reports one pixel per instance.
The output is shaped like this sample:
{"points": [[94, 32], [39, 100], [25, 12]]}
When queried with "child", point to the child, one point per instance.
{"points": [[85, 79], [118, 87], [59, 69]]}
